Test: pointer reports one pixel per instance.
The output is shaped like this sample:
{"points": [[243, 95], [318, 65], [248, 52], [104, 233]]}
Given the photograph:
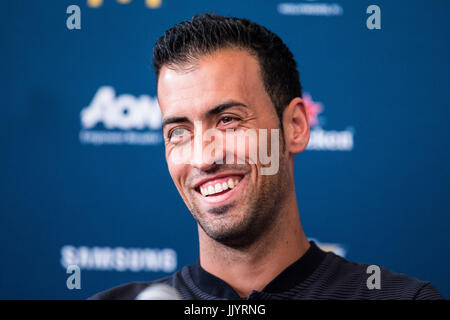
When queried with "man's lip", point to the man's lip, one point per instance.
{"points": [[217, 176], [221, 199]]}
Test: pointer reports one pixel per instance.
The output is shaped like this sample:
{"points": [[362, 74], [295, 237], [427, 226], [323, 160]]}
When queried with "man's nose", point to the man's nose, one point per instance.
{"points": [[208, 149]]}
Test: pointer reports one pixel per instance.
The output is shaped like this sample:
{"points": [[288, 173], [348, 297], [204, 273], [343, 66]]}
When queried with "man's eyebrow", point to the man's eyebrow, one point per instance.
{"points": [[223, 106], [174, 120], [216, 110]]}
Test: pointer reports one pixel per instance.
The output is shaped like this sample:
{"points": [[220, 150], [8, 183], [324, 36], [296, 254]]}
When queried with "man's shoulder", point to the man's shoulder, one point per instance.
{"points": [[372, 281]]}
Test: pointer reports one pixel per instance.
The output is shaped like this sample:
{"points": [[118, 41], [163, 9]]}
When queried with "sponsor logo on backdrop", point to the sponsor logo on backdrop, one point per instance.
{"points": [[119, 259], [121, 119], [152, 4], [310, 8], [126, 119], [321, 139], [336, 248]]}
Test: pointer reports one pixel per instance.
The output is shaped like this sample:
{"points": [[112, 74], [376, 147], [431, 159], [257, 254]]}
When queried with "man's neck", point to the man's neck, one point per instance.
{"points": [[256, 266]]}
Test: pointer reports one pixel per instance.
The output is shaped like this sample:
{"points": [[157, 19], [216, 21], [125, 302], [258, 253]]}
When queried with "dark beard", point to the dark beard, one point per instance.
{"points": [[262, 214], [222, 209]]}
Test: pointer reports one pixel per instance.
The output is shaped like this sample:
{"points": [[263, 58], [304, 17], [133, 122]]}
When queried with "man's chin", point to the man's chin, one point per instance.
{"points": [[219, 216], [235, 237], [220, 210]]}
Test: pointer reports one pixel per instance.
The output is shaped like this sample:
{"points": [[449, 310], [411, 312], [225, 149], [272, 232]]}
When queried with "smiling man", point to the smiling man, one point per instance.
{"points": [[220, 79]]}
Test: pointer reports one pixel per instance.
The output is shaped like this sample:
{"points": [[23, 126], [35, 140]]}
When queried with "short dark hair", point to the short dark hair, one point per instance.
{"points": [[207, 33]]}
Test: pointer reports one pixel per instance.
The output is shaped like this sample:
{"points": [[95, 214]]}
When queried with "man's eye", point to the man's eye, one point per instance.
{"points": [[228, 119], [177, 134]]}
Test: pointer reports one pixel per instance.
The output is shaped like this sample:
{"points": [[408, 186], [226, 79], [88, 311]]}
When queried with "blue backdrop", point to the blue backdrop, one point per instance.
{"points": [[84, 179]]}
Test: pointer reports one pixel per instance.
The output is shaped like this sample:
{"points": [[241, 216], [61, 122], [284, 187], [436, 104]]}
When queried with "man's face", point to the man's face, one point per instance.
{"points": [[233, 203]]}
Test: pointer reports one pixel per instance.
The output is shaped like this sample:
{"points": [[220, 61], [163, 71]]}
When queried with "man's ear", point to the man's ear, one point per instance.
{"points": [[296, 126]]}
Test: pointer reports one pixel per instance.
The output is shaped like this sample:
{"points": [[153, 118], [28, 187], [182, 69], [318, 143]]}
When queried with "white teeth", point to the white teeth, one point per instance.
{"points": [[218, 188]]}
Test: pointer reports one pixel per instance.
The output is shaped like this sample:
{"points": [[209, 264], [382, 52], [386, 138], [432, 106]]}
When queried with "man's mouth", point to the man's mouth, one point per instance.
{"points": [[218, 186]]}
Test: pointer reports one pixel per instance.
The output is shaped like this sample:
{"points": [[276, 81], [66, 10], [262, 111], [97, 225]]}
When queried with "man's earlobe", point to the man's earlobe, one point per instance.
{"points": [[296, 126]]}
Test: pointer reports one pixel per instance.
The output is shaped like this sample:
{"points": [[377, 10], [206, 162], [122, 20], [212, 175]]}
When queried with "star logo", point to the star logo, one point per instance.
{"points": [[313, 108]]}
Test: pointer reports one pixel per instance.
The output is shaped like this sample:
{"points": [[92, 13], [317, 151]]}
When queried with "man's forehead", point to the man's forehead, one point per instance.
{"points": [[227, 74]]}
